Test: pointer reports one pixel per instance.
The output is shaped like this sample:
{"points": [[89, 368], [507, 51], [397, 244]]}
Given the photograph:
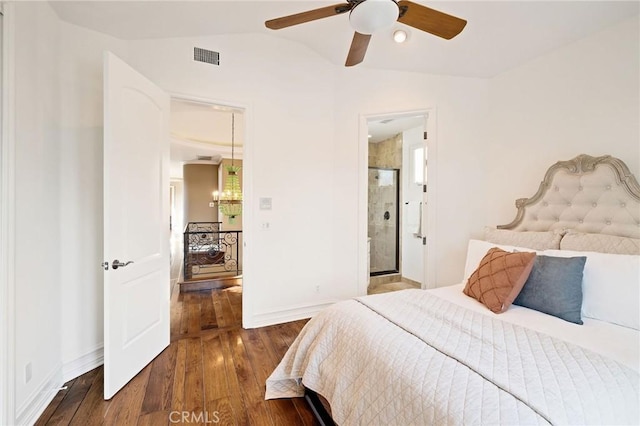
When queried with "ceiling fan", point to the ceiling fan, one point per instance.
{"points": [[368, 16]]}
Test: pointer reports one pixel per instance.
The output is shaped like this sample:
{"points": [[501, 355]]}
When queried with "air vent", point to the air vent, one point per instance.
{"points": [[208, 56], [386, 121], [205, 158]]}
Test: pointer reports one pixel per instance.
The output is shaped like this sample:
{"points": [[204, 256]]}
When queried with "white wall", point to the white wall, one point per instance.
{"points": [[303, 151], [81, 121], [460, 118], [288, 94], [58, 132], [582, 98], [37, 166]]}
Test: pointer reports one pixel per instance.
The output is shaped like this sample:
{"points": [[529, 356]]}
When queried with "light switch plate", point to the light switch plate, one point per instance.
{"points": [[265, 203]]}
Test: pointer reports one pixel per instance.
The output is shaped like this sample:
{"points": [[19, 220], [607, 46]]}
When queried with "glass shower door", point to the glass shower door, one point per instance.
{"points": [[384, 229]]}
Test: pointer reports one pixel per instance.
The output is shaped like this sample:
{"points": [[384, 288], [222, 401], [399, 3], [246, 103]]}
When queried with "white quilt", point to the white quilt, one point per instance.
{"points": [[412, 358]]}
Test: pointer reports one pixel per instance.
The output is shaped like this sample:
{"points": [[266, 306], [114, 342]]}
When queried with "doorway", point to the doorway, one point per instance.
{"points": [[396, 201], [206, 140]]}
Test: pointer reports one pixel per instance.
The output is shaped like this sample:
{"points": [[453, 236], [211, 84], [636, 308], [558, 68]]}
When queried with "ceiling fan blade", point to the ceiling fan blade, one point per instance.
{"points": [[358, 49], [311, 15], [430, 20]]}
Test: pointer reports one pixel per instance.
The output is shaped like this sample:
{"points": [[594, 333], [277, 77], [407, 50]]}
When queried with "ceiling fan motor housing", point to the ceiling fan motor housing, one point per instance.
{"points": [[370, 16]]}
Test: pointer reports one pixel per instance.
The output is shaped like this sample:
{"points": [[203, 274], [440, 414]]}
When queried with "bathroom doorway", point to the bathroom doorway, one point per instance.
{"points": [[396, 201]]}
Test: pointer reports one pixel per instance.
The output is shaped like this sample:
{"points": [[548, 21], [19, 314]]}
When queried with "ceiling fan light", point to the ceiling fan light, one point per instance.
{"points": [[371, 16]]}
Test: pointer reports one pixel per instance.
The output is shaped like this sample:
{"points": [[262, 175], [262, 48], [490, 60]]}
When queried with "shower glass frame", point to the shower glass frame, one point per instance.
{"points": [[396, 211]]}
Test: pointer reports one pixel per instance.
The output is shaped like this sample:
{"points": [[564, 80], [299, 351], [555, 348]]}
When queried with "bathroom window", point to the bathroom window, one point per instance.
{"points": [[417, 165]]}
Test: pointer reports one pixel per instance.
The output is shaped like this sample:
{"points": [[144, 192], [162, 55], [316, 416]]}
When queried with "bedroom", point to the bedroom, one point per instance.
{"points": [[580, 97]]}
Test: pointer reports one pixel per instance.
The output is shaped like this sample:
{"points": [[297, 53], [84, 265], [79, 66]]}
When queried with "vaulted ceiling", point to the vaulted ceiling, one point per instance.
{"points": [[499, 35]]}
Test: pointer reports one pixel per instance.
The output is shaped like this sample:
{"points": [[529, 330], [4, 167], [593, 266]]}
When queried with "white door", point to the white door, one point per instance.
{"points": [[414, 228], [136, 222]]}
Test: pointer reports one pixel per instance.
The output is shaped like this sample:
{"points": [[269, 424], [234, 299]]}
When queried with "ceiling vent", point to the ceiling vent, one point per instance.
{"points": [[387, 120], [207, 56], [205, 158]]}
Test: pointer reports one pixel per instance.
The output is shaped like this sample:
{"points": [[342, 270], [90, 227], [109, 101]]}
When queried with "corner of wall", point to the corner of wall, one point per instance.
{"points": [[83, 364], [292, 313], [35, 404]]}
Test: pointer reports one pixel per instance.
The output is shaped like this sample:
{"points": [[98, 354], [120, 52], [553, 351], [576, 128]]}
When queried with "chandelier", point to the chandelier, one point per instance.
{"points": [[230, 202]]}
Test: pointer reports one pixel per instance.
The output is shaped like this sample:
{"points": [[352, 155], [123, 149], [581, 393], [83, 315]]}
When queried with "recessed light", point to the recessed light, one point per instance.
{"points": [[399, 36], [369, 136]]}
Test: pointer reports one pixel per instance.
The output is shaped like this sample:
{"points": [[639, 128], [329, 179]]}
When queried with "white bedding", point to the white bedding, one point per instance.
{"points": [[418, 357], [619, 343]]}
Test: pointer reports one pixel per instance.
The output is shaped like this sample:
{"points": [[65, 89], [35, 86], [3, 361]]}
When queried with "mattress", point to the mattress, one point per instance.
{"points": [[422, 357]]}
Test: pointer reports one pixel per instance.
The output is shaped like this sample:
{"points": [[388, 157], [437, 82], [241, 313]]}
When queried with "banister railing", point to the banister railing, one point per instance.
{"points": [[210, 252]]}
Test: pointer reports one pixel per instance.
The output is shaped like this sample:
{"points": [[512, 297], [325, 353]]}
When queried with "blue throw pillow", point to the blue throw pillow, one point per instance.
{"points": [[555, 287]]}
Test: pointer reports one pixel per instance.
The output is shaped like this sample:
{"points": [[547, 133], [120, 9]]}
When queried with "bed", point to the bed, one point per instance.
{"points": [[543, 330]]}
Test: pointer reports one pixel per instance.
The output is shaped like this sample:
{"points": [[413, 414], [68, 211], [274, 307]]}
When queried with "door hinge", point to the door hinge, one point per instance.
{"points": [[424, 188], [424, 241], [425, 136]]}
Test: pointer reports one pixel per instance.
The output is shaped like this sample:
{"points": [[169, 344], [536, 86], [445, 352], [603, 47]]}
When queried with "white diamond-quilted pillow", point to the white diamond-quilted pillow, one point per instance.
{"points": [[600, 243]]}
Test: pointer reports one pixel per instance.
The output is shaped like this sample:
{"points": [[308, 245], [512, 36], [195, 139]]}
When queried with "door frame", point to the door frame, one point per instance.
{"points": [[7, 220], [430, 271], [247, 195]]}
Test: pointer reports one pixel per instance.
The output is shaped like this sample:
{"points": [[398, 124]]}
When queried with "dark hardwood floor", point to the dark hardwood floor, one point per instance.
{"points": [[212, 373]]}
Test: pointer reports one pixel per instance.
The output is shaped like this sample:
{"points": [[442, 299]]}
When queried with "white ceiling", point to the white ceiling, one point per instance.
{"points": [[203, 130], [385, 128], [499, 35]]}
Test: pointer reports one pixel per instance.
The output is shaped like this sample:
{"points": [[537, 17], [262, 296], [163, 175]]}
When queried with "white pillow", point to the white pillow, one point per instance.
{"points": [[476, 249], [610, 286]]}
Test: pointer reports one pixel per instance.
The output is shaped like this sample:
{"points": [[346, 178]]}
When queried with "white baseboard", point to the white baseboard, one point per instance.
{"points": [[37, 402], [263, 319], [83, 364]]}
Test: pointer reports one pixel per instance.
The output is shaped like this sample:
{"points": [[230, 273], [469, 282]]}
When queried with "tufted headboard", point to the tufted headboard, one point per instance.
{"points": [[587, 194]]}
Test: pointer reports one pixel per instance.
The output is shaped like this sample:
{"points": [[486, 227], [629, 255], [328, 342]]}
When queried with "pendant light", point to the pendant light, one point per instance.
{"points": [[230, 203]]}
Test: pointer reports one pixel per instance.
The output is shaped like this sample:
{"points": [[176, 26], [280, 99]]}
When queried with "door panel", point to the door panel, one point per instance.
{"points": [[136, 222], [414, 227]]}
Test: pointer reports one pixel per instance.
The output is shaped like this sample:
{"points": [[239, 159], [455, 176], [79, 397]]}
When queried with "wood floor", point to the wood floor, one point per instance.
{"points": [[213, 373]]}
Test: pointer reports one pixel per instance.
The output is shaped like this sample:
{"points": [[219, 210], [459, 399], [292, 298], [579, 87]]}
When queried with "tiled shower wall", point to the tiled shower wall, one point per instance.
{"points": [[386, 154]]}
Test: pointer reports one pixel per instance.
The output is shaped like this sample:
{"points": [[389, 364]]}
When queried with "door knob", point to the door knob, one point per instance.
{"points": [[117, 264]]}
